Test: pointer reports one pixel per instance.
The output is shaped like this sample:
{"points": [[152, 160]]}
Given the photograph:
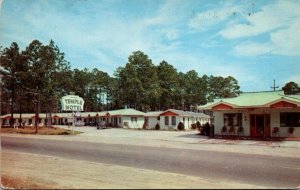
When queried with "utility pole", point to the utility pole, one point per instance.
{"points": [[274, 87]]}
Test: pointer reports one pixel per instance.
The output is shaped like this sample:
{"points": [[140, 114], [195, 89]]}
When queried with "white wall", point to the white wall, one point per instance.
{"points": [[152, 121], [162, 123], [188, 121], [219, 121], [274, 120], [135, 124]]}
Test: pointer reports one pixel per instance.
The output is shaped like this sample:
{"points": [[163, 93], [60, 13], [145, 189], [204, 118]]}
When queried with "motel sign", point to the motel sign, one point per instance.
{"points": [[72, 103]]}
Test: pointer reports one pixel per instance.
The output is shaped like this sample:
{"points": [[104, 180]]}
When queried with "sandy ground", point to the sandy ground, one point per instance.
{"points": [[52, 172]]}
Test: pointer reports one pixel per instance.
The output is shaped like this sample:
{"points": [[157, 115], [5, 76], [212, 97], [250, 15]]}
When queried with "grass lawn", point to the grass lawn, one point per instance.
{"points": [[41, 131]]}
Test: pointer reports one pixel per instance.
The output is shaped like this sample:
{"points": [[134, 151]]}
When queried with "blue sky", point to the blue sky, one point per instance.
{"points": [[253, 41]]}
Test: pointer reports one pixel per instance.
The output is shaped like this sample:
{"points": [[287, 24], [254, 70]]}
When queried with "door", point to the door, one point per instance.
{"points": [[115, 122], [260, 125]]}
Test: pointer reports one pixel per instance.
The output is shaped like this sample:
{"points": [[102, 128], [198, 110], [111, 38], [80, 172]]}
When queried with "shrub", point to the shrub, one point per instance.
{"points": [[198, 126], [207, 129], [145, 125], [194, 126], [157, 127], [180, 126]]}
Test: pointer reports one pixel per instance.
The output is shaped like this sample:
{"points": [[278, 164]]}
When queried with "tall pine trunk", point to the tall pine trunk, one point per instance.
{"points": [[12, 108], [37, 107]]}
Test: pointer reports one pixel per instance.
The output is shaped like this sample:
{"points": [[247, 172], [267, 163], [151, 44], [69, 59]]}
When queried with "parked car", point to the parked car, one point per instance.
{"points": [[79, 123]]}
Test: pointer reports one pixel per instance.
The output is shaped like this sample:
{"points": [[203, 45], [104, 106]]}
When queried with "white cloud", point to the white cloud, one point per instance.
{"points": [[203, 21], [252, 49], [282, 42], [275, 16], [287, 40], [0, 5], [102, 37], [280, 21]]}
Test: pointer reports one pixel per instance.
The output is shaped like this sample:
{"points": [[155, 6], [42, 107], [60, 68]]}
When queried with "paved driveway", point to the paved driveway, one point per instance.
{"points": [[175, 139], [187, 140]]}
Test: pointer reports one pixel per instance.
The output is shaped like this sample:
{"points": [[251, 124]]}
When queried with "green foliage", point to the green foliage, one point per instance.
{"points": [[180, 126], [138, 82], [39, 76], [291, 88], [13, 68], [168, 82], [198, 125], [194, 126], [157, 126], [219, 87]]}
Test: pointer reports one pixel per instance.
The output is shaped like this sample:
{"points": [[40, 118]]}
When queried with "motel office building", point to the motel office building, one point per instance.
{"points": [[257, 114]]}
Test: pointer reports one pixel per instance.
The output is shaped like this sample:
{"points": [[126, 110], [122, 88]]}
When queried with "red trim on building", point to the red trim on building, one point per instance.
{"points": [[7, 117], [33, 117], [168, 113], [55, 117], [283, 104], [222, 107]]}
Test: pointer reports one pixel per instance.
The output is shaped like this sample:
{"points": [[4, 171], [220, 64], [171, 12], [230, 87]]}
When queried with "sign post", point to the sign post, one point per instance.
{"points": [[73, 123], [72, 103]]}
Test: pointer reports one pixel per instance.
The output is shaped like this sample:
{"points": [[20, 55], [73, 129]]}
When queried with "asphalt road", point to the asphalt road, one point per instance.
{"points": [[278, 172]]}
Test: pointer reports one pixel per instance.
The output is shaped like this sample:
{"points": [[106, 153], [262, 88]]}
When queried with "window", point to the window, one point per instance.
{"points": [[133, 119], [290, 119], [120, 120], [233, 119], [166, 120], [173, 120], [158, 118]]}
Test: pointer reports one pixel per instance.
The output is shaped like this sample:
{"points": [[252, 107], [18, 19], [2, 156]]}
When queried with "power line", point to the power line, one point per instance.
{"points": [[274, 87]]}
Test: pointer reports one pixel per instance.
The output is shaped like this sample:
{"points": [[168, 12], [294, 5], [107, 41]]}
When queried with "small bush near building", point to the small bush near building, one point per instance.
{"points": [[157, 127], [194, 126], [207, 129], [204, 129], [180, 126], [145, 125], [198, 125]]}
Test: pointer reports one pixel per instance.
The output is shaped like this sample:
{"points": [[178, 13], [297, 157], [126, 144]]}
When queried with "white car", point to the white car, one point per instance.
{"points": [[79, 123]]}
